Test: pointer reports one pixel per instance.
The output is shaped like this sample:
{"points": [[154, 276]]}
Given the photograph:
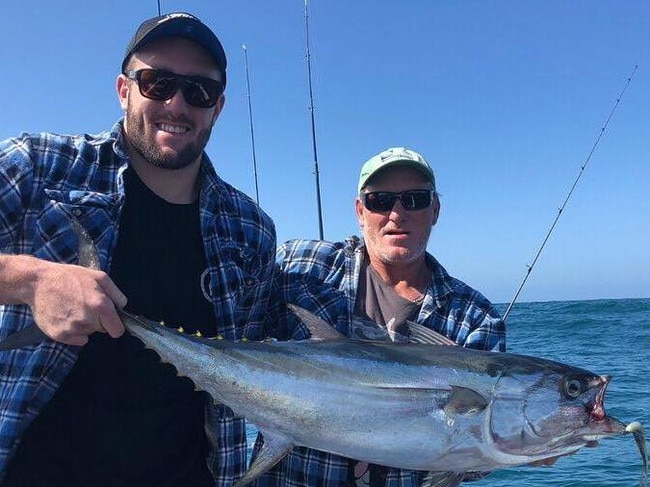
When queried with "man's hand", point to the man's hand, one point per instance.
{"points": [[70, 302]]}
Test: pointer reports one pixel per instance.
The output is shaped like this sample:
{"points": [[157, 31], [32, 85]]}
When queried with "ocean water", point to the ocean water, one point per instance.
{"points": [[609, 337]]}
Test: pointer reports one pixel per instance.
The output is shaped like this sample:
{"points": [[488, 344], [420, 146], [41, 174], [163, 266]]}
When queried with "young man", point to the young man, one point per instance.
{"points": [[181, 244], [388, 277]]}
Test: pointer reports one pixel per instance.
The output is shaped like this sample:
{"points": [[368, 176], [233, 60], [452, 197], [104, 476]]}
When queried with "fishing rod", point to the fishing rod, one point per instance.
{"points": [[250, 121], [566, 200], [159, 14], [313, 127]]}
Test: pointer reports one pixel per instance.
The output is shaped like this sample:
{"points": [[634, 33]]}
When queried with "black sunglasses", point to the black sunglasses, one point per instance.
{"points": [[156, 84], [412, 200]]}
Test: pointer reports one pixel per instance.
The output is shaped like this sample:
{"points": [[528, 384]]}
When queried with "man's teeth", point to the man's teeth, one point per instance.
{"points": [[172, 128]]}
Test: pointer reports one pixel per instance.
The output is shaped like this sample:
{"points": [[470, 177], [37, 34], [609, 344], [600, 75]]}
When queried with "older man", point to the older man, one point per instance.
{"points": [[388, 277]]}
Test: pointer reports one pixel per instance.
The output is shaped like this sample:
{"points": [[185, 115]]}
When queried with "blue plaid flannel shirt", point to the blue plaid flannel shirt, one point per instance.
{"points": [[323, 277], [44, 178]]}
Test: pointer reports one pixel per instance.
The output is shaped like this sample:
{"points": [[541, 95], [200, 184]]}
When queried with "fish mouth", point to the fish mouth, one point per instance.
{"points": [[607, 426], [596, 408], [600, 425], [589, 434]]}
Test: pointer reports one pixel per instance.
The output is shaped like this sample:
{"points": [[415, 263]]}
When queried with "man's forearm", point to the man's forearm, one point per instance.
{"points": [[17, 276]]}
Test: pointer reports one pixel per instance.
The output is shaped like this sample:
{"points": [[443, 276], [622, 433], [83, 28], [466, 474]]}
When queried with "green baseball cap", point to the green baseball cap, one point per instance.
{"points": [[395, 156]]}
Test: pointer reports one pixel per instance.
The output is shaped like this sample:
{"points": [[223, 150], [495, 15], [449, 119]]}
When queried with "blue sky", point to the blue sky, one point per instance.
{"points": [[504, 98]]}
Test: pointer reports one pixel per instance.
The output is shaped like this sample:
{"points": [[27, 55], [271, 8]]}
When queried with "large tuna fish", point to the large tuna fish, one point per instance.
{"points": [[447, 410]]}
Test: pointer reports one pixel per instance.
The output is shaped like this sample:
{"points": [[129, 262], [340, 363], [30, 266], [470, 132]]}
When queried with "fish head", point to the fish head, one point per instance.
{"points": [[554, 411]]}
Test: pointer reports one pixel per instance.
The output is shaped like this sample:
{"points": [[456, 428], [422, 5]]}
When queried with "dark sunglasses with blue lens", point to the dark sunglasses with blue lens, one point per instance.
{"points": [[412, 200], [161, 85]]}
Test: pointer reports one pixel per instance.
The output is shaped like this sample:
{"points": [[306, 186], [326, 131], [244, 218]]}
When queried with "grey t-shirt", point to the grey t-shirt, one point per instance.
{"points": [[378, 301]]}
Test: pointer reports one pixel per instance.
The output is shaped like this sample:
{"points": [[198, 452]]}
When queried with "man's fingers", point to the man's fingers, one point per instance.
{"points": [[113, 292], [111, 323], [109, 319]]}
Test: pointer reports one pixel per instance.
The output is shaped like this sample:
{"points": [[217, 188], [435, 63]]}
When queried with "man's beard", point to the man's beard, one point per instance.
{"points": [[145, 145]]}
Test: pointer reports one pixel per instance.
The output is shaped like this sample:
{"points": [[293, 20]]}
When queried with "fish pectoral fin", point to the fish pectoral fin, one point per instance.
{"points": [[274, 449], [462, 400], [443, 479]]}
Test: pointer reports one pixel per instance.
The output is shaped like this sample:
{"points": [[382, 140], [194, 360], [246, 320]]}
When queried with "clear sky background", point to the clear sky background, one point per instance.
{"points": [[504, 98]]}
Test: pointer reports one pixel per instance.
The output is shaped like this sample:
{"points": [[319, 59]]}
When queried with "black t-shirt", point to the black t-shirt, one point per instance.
{"points": [[122, 418]]}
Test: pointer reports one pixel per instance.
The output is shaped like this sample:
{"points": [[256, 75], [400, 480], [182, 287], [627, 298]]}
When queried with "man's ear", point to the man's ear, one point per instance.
{"points": [[436, 211], [218, 107], [358, 207], [122, 87]]}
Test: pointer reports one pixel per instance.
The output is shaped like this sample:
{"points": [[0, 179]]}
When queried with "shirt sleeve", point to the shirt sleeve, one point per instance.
{"points": [[16, 177]]}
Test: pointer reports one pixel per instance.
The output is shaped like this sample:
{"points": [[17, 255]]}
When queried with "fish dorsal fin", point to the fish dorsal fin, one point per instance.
{"points": [[274, 449], [318, 327], [322, 330], [422, 334]]}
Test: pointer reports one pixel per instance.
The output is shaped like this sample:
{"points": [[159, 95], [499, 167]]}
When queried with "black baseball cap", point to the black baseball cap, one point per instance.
{"points": [[178, 24]]}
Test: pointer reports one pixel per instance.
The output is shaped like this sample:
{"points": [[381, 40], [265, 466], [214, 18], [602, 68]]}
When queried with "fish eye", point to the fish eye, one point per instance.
{"points": [[573, 387]]}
